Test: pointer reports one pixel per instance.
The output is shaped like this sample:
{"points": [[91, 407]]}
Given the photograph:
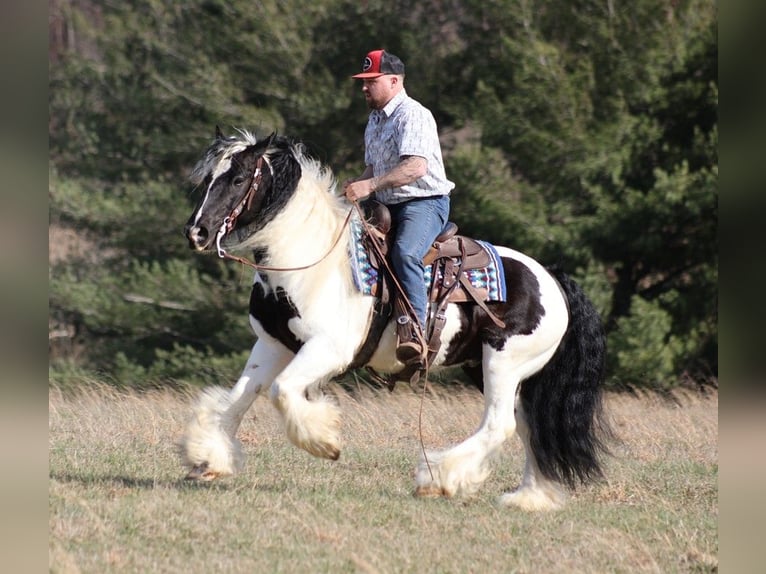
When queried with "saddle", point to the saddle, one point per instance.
{"points": [[451, 257]]}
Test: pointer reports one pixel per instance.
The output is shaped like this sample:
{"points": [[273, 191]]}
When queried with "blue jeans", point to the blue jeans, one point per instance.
{"points": [[417, 223]]}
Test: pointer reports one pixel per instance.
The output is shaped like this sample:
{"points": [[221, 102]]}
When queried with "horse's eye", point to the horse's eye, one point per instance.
{"points": [[239, 180]]}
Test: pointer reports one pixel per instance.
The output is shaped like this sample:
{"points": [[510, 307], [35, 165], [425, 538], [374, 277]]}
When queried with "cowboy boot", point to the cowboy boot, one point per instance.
{"points": [[409, 348]]}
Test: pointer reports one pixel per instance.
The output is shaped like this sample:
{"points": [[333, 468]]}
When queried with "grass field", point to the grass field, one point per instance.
{"points": [[117, 501]]}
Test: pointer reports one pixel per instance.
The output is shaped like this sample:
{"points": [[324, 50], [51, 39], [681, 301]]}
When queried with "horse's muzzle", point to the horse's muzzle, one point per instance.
{"points": [[199, 237]]}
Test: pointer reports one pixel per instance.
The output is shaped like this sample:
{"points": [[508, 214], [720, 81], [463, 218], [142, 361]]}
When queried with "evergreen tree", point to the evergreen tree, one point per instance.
{"points": [[582, 132]]}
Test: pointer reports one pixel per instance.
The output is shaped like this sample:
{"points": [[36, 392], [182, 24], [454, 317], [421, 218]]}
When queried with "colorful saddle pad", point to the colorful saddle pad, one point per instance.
{"points": [[365, 275]]}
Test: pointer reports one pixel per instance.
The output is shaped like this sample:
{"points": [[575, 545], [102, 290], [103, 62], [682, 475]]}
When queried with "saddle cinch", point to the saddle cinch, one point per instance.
{"points": [[451, 256]]}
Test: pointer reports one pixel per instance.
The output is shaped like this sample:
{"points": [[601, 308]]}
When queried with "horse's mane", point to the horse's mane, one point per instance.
{"points": [[321, 175], [223, 148]]}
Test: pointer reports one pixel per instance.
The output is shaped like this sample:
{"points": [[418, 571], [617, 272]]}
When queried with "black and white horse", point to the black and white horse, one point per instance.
{"points": [[541, 375]]}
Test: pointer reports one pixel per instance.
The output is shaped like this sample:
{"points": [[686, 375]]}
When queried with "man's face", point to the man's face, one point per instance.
{"points": [[379, 91]]}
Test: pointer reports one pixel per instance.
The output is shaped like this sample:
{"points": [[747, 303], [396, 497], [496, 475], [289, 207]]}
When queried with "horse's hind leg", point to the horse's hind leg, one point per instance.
{"points": [[535, 491], [209, 447], [462, 469]]}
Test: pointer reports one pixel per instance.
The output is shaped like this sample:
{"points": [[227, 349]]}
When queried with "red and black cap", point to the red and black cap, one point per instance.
{"points": [[379, 63]]}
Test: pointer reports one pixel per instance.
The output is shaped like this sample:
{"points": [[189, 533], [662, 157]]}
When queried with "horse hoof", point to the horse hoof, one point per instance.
{"points": [[328, 452], [430, 491], [322, 450], [200, 472]]}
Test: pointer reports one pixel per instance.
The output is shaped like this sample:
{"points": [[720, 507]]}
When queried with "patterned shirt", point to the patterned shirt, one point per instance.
{"points": [[405, 127]]}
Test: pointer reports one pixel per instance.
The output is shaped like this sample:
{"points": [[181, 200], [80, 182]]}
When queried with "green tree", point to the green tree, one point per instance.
{"points": [[608, 121], [656, 222]]}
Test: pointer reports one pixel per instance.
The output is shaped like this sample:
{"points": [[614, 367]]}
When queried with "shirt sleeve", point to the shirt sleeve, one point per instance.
{"points": [[417, 133]]}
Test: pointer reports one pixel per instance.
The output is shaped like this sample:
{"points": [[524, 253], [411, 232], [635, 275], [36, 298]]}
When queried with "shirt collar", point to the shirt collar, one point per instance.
{"points": [[389, 108]]}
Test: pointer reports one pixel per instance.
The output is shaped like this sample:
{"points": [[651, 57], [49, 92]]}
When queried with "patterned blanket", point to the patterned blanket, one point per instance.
{"points": [[365, 276]]}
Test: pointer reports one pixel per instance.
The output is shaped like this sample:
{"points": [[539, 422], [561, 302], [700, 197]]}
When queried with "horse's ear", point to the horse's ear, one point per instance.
{"points": [[218, 133], [272, 137]]}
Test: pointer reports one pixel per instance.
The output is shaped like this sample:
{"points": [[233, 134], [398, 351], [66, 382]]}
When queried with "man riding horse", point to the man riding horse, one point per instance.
{"points": [[405, 171]]}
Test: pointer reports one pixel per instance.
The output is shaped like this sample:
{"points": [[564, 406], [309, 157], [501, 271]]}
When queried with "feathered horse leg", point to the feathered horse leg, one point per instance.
{"points": [[209, 447], [312, 423]]}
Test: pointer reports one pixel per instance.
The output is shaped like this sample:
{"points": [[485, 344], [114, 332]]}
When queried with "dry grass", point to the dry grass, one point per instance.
{"points": [[118, 503]]}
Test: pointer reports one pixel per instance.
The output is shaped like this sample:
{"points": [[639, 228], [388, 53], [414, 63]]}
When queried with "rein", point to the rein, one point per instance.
{"points": [[418, 332], [224, 255]]}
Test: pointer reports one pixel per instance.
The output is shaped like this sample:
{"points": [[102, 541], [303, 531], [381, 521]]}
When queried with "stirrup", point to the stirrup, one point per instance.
{"points": [[408, 348], [410, 352]]}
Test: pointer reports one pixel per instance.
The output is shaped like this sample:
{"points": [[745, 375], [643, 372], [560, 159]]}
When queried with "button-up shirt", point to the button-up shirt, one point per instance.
{"points": [[404, 127]]}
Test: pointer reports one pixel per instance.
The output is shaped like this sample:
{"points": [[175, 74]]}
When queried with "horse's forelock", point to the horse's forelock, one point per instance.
{"points": [[218, 152]]}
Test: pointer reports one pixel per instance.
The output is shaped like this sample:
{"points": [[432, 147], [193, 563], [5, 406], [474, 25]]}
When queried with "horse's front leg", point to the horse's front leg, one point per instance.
{"points": [[312, 421], [209, 447]]}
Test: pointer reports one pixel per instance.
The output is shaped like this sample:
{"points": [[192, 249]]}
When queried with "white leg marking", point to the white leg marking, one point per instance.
{"points": [[209, 441], [462, 469], [313, 425], [535, 492]]}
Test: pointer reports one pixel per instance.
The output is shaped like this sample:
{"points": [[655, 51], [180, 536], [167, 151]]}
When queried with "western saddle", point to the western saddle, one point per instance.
{"points": [[451, 256]]}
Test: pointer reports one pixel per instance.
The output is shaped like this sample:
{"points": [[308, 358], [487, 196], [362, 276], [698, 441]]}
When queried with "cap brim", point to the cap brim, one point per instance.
{"points": [[367, 75]]}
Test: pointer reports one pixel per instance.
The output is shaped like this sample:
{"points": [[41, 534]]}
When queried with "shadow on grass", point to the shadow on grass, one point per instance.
{"points": [[134, 482], [150, 483]]}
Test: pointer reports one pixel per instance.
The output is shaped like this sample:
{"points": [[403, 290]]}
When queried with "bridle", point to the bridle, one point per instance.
{"points": [[247, 203]]}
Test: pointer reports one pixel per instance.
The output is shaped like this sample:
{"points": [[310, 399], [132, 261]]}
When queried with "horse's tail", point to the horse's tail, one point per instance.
{"points": [[562, 402]]}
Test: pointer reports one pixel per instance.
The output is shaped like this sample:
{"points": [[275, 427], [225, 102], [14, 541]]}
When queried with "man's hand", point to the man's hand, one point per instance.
{"points": [[355, 190]]}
